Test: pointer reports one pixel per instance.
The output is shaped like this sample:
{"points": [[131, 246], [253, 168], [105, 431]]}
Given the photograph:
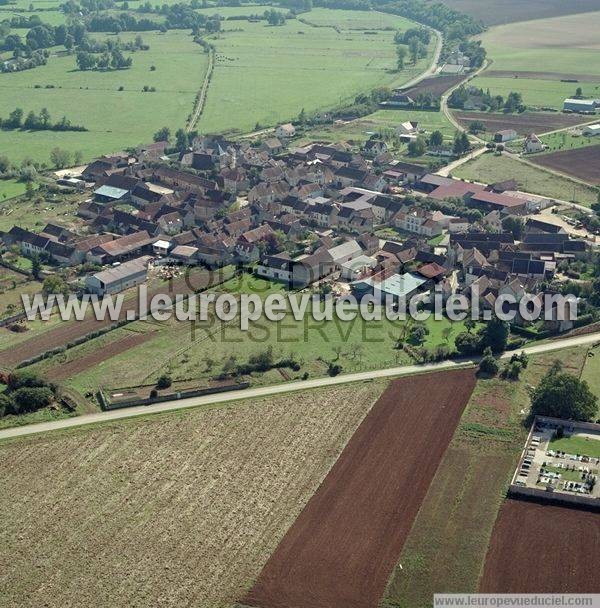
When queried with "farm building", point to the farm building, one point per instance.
{"points": [[592, 130], [356, 267], [396, 286], [581, 105], [505, 135], [116, 279]]}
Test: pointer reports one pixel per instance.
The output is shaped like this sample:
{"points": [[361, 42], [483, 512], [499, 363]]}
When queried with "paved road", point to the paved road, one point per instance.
{"points": [[277, 389]]}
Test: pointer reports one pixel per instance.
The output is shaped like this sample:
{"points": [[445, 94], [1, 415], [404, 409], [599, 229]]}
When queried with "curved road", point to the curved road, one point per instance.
{"points": [[277, 389]]}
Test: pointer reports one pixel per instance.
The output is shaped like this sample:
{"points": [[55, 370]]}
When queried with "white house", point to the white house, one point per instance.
{"points": [[505, 135], [533, 144], [287, 130]]}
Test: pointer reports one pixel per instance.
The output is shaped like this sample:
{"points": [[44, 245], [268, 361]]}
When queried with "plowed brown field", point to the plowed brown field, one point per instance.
{"points": [[540, 548], [343, 546]]}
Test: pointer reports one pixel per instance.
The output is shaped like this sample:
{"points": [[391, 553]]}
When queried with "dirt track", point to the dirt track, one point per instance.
{"points": [[343, 546], [538, 548]]}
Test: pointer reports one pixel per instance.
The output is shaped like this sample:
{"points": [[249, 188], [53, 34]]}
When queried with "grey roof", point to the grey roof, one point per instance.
{"points": [[111, 192], [122, 271]]}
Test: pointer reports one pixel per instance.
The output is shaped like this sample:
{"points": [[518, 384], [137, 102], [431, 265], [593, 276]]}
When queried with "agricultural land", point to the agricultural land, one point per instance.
{"points": [[182, 509]]}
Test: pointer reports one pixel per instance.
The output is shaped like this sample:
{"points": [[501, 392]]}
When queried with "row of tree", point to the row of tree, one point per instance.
{"points": [[460, 96], [37, 122], [113, 60], [26, 392]]}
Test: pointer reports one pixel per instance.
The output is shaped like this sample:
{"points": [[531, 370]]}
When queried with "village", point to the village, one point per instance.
{"points": [[322, 216]]}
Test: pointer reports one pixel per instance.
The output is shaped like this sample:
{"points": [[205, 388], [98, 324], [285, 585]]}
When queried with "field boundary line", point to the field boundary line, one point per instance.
{"points": [[201, 97]]}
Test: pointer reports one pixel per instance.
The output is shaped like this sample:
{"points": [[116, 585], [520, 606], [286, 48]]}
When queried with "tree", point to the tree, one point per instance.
{"points": [[14, 120], [31, 399], [436, 139], [467, 343], [417, 147], [562, 395], [494, 334], [36, 266], [476, 127], [400, 57], [164, 381], [44, 118], [181, 140], [60, 158], [488, 364], [163, 134], [578, 92], [515, 225], [55, 284]]}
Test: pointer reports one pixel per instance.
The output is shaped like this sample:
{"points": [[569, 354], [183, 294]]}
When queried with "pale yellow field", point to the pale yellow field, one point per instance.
{"points": [[177, 510]]}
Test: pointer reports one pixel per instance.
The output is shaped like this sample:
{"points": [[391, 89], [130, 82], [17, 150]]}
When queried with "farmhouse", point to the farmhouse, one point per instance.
{"points": [[505, 135], [287, 130], [116, 279], [533, 144]]}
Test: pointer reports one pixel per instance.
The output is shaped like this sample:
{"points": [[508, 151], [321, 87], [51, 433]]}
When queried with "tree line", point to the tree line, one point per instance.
{"points": [[37, 122]]}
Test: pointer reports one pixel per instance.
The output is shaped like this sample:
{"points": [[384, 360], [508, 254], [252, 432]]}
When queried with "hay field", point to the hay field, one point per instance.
{"points": [[114, 119], [175, 510], [567, 46], [266, 74]]}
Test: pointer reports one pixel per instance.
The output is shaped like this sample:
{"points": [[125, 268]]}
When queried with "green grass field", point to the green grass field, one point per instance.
{"points": [[266, 74], [566, 141], [447, 545], [489, 168], [115, 119], [566, 45], [9, 188], [577, 445]]}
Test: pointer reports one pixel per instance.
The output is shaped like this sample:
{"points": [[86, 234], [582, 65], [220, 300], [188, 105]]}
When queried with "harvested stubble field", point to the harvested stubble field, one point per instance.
{"points": [[176, 510], [582, 163], [539, 547], [523, 124], [342, 548]]}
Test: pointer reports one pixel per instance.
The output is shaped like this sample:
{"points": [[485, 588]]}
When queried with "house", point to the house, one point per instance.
{"points": [[357, 267], [272, 145], [248, 244], [418, 221], [184, 254], [410, 127], [345, 252], [591, 130], [285, 131], [374, 147], [505, 135], [412, 173], [120, 248], [587, 106], [533, 144], [116, 279]]}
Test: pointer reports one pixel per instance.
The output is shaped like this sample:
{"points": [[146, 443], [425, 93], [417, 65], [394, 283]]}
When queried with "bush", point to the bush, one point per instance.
{"points": [[488, 365], [30, 399], [334, 369], [164, 381], [27, 379], [153, 394], [6, 404]]}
